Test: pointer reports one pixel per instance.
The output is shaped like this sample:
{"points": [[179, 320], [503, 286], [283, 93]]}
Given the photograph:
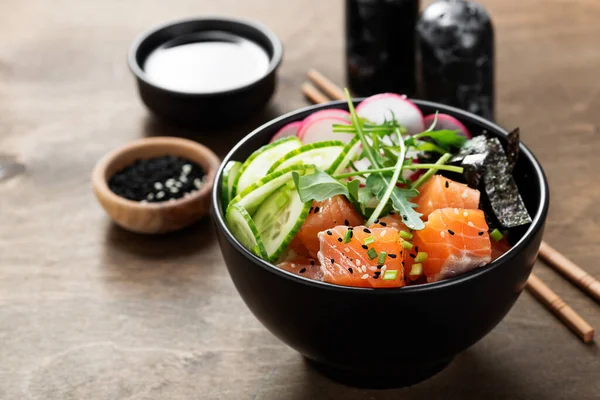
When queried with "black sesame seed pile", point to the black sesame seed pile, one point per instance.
{"points": [[158, 179]]}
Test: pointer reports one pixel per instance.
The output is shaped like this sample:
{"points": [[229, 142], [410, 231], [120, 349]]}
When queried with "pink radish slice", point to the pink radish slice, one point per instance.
{"points": [[445, 121], [321, 130], [386, 106], [334, 112], [290, 129]]}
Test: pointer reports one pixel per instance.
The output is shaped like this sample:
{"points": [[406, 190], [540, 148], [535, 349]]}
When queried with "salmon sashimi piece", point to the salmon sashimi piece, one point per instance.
{"points": [[324, 215], [357, 260], [456, 240], [500, 247], [391, 220], [440, 192], [303, 266]]}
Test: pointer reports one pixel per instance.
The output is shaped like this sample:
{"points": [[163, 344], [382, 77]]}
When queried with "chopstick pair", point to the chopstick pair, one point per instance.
{"points": [[322, 90]]}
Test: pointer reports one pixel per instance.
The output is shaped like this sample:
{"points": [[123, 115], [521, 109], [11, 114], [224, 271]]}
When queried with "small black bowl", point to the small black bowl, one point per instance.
{"points": [[385, 337], [202, 108]]}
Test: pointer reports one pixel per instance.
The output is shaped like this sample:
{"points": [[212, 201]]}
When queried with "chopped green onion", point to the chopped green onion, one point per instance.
{"points": [[406, 244], [406, 235], [348, 236], [369, 240], [421, 256], [372, 254], [496, 235], [381, 258], [417, 269], [425, 177], [390, 275]]}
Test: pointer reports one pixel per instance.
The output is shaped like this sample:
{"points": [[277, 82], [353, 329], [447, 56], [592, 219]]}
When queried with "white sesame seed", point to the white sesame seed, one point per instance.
{"points": [[466, 213], [160, 195], [383, 269], [471, 224], [173, 189], [363, 268], [144, 201], [382, 234], [365, 276], [456, 211], [158, 185], [150, 196], [293, 265], [197, 183], [373, 268], [347, 249], [178, 184], [187, 168], [442, 233], [170, 182], [464, 194]]}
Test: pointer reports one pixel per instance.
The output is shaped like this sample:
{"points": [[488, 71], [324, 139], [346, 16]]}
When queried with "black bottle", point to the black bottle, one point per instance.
{"points": [[455, 40], [380, 46]]}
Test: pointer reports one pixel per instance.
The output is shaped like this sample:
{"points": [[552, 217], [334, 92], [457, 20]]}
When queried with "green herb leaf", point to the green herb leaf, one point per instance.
{"points": [[353, 189], [400, 200], [318, 186], [444, 138]]}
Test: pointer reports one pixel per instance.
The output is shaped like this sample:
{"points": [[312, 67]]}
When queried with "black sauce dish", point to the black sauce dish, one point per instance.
{"points": [[385, 337], [206, 107]]}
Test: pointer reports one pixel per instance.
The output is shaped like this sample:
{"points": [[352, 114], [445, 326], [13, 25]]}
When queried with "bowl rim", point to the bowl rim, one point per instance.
{"points": [[274, 62], [100, 181], [537, 223]]}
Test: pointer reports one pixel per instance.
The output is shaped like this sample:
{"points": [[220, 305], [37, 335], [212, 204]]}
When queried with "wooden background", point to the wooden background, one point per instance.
{"points": [[88, 311]]}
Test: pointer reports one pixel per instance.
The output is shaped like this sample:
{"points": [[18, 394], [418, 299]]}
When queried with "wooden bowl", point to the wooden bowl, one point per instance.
{"points": [[161, 217]]}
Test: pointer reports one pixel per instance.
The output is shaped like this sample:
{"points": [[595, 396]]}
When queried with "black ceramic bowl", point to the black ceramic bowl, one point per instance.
{"points": [[206, 107], [385, 337]]}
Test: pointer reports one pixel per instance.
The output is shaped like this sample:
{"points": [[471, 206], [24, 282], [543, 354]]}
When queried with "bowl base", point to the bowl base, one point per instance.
{"points": [[366, 380]]}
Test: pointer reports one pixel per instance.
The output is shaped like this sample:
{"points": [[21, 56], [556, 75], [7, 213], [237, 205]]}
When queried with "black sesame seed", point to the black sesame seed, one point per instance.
{"points": [[392, 213], [480, 233], [416, 249], [366, 230], [413, 255], [340, 240], [376, 221], [346, 222], [380, 266], [316, 210], [312, 262], [392, 255], [375, 276], [382, 224], [350, 234], [450, 231], [311, 209], [404, 217], [364, 246], [377, 273], [332, 261], [329, 233], [403, 263], [350, 270], [350, 228], [447, 185], [303, 270]]}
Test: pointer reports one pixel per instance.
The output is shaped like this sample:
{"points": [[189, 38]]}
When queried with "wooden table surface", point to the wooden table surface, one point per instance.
{"points": [[89, 311]]}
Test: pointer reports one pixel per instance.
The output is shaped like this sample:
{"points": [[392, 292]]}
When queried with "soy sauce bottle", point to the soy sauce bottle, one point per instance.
{"points": [[380, 46], [455, 41]]}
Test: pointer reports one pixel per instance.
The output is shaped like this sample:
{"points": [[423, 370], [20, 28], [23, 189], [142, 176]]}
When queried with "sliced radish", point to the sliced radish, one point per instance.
{"points": [[386, 106], [445, 121], [321, 129], [333, 112], [290, 129]]}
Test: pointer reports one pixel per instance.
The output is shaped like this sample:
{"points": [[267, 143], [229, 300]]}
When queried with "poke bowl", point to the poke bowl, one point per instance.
{"points": [[363, 332]]}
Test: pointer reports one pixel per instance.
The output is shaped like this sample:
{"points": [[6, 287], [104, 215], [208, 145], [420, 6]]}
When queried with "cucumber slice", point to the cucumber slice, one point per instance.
{"points": [[258, 192], [229, 174], [279, 218], [244, 229], [350, 153], [259, 162], [319, 154]]}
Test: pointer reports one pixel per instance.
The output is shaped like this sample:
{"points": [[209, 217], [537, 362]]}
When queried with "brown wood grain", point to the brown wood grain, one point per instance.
{"points": [[89, 311]]}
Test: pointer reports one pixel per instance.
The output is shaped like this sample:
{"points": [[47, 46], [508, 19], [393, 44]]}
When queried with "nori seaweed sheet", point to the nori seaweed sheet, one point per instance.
{"points": [[512, 149], [487, 167]]}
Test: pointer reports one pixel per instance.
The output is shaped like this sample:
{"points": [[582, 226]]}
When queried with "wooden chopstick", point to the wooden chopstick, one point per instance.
{"points": [[534, 284], [571, 270], [566, 314], [326, 85]]}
